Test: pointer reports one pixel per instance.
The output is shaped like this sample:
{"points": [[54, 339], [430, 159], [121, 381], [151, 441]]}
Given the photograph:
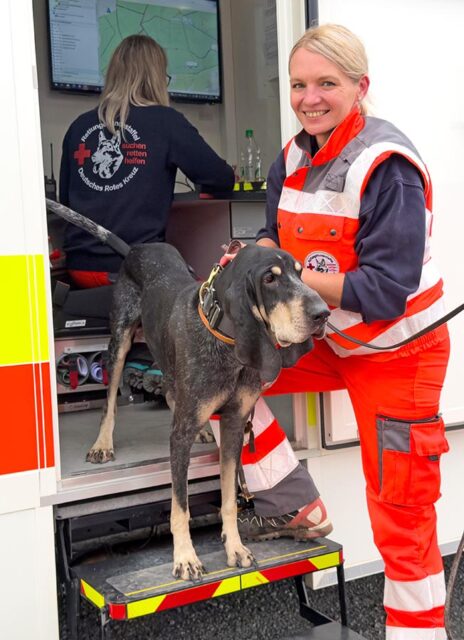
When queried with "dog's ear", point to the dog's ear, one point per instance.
{"points": [[253, 346]]}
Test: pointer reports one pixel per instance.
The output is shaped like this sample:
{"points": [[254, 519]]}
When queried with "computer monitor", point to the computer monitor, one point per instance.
{"points": [[84, 33]]}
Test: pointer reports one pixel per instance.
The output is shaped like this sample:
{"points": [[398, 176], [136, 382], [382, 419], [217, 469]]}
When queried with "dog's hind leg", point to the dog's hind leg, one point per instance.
{"points": [[233, 420], [125, 318]]}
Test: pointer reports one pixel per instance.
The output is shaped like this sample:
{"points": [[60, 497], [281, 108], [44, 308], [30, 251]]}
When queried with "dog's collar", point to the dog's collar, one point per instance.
{"points": [[211, 311], [217, 334]]}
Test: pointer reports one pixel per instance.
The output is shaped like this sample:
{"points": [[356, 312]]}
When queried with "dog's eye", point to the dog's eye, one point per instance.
{"points": [[268, 278]]}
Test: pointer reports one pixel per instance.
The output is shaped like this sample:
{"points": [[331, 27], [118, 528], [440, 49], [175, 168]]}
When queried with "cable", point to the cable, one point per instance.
{"points": [[419, 334], [185, 183], [450, 588]]}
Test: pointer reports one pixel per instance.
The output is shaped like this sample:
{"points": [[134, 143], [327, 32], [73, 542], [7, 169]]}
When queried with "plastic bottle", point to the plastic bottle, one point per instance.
{"points": [[251, 154], [242, 167], [258, 165]]}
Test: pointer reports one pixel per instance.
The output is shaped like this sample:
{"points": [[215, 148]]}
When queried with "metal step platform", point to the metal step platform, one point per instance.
{"points": [[139, 582]]}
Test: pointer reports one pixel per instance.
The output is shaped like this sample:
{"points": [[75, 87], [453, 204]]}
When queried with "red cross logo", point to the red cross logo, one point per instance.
{"points": [[81, 154]]}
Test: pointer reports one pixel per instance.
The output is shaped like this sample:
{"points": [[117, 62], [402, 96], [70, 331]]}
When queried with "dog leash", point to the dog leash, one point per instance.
{"points": [[419, 334]]}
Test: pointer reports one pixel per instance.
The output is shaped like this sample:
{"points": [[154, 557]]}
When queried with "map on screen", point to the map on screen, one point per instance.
{"points": [[84, 34]]}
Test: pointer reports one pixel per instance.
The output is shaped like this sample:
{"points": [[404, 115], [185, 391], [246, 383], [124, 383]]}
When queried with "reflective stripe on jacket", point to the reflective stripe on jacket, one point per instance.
{"points": [[318, 220]]}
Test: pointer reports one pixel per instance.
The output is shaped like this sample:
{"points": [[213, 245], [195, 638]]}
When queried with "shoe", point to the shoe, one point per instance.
{"points": [[152, 379], [308, 523], [138, 360]]}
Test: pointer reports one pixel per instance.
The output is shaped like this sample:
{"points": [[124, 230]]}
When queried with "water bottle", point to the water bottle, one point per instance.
{"points": [[258, 165], [251, 154], [242, 167]]}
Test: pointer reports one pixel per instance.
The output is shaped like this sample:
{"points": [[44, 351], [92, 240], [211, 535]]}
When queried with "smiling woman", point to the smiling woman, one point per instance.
{"points": [[350, 198]]}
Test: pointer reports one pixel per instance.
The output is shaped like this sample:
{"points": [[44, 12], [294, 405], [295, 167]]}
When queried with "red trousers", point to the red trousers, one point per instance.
{"points": [[90, 279], [395, 398]]}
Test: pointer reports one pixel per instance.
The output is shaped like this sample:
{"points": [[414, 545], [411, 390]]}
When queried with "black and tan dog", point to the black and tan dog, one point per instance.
{"points": [[217, 344]]}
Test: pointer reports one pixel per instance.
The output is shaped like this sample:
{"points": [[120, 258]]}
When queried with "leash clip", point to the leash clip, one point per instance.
{"points": [[206, 288], [211, 308], [215, 316]]}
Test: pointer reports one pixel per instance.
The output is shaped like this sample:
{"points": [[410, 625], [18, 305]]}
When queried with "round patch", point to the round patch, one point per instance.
{"points": [[322, 262], [108, 162]]}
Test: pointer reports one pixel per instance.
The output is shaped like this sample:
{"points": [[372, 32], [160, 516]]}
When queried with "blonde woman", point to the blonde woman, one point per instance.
{"points": [[350, 198]]}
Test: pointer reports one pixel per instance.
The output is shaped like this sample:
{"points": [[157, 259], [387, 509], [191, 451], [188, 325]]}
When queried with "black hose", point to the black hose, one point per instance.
{"points": [[450, 589]]}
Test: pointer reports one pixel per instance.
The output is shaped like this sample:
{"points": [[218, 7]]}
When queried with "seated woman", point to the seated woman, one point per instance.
{"points": [[119, 165]]}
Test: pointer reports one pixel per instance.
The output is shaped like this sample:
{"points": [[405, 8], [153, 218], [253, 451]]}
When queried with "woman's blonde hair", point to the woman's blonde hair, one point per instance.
{"points": [[339, 45], [136, 76]]}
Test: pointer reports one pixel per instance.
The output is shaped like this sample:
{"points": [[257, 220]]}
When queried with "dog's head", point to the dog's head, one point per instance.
{"points": [[275, 315], [108, 156]]}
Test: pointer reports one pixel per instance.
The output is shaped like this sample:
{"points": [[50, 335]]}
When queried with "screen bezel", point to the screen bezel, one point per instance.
{"points": [[173, 96]]}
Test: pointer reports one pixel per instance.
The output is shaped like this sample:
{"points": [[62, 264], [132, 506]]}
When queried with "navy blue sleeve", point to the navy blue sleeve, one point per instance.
{"points": [[274, 183], [390, 242], [196, 159]]}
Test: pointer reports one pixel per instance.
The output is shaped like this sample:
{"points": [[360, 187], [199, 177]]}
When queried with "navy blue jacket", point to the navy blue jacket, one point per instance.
{"points": [[126, 184], [390, 241]]}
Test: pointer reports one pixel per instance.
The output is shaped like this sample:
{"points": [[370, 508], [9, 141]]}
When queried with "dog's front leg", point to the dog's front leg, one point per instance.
{"points": [[187, 565], [232, 428]]}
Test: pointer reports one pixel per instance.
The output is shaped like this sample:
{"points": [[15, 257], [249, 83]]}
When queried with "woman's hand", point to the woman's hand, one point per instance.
{"points": [[328, 285], [267, 242]]}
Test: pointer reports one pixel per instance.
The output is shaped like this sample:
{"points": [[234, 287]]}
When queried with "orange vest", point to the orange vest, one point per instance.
{"points": [[318, 220]]}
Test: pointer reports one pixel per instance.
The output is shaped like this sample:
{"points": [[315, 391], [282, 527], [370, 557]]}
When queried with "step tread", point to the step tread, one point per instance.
{"points": [[147, 573]]}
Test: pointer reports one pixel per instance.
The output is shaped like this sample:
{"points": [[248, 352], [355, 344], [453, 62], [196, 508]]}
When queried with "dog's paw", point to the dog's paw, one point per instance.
{"points": [[188, 568], [99, 456], [239, 556], [204, 436]]}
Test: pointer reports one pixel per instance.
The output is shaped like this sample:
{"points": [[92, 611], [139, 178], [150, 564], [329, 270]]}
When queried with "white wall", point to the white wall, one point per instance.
{"points": [[256, 76], [416, 71]]}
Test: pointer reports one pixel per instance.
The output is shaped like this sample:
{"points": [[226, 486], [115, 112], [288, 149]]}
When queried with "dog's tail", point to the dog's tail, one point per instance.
{"points": [[105, 236]]}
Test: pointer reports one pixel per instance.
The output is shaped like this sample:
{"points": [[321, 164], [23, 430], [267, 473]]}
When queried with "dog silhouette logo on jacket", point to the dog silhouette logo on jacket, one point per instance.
{"points": [[108, 157]]}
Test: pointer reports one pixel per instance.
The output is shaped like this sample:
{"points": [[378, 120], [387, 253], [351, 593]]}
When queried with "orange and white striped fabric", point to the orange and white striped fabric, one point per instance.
{"points": [[274, 457], [406, 602], [318, 215]]}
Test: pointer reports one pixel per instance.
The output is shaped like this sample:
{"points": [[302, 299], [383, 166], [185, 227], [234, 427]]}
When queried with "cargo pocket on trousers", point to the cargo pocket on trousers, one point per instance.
{"points": [[409, 459]]}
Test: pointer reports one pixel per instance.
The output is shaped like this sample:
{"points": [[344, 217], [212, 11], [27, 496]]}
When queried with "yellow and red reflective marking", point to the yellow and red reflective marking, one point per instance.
{"points": [[218, 588], [24, 329], [27, 435], [25, 393], [92, 594]]}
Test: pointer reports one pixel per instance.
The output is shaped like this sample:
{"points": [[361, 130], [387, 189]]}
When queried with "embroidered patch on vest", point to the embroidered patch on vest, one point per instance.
{"points": [[322, 262]]}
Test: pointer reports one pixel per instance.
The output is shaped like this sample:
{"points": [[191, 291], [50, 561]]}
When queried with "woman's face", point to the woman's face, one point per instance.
{"points": [[321, 94]]}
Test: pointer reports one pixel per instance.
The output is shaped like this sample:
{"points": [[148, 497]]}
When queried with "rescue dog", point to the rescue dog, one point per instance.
{"points": [[217, 345]]}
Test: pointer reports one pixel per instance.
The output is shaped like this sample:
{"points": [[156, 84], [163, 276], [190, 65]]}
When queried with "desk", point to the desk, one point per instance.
{"points": [[198, 226]]}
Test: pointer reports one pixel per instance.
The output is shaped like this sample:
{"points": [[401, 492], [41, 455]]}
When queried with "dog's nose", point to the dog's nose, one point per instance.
{"points": [[319, 321], [320, 316]]}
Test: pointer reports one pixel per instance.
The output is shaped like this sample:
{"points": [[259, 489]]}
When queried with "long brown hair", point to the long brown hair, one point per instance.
{"points": [[136, 76]]}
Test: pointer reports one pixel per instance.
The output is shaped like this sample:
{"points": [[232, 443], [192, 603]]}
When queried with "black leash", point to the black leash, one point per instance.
{"points": [[450, 588], [419, 334]]}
